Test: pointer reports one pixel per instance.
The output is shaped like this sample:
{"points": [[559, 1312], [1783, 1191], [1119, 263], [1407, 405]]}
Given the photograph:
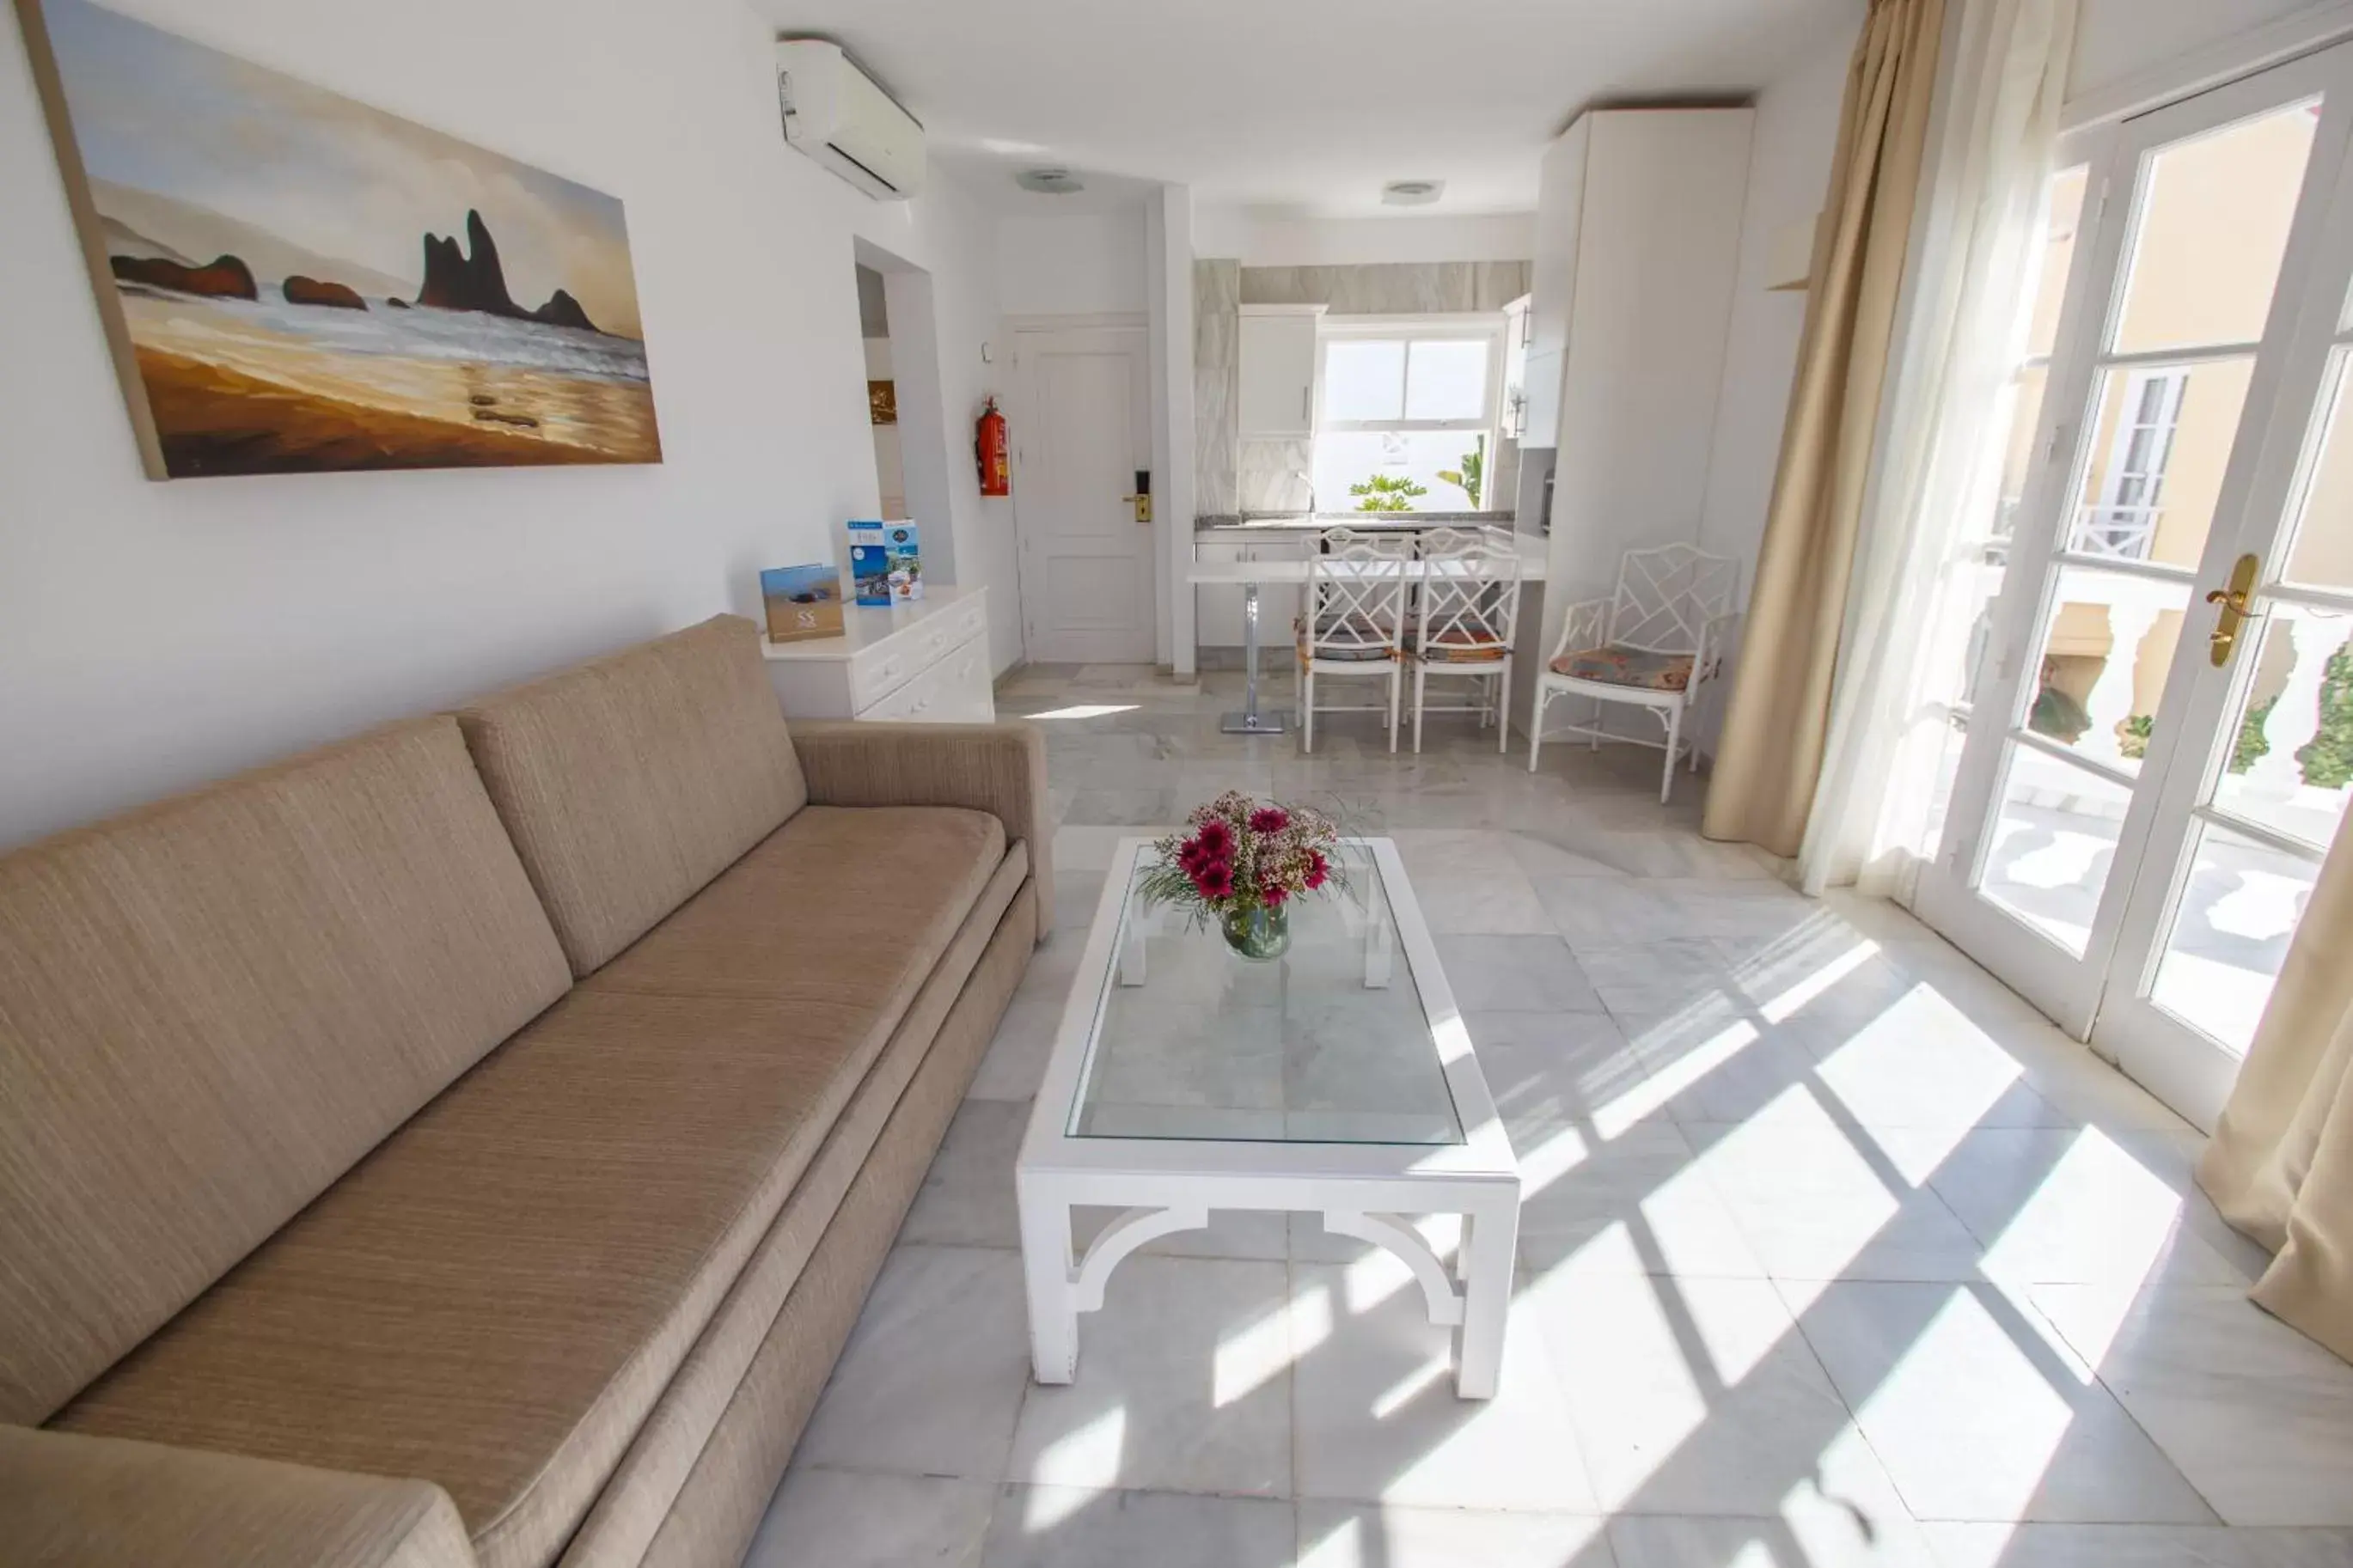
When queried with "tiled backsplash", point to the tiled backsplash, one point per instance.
{"points": [[1217, 368], [1233, 475]]}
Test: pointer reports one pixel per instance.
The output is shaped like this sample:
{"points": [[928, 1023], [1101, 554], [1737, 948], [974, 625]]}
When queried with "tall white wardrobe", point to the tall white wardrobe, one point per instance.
{"points": [[1637, 260]]}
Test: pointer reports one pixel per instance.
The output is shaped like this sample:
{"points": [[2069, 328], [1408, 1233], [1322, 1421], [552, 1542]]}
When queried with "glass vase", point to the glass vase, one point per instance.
{"points": [[1258, 933]]}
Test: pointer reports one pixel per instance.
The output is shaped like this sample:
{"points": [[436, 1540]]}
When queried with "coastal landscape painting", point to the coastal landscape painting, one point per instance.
{"points": [[295, 282]]}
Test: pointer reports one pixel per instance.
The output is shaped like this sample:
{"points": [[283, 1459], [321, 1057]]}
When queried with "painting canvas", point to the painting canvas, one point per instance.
{"points": [[295, 282]]}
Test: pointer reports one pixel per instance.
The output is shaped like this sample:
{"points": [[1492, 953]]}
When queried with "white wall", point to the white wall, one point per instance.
{"points": [[2118, 40], [1087, 263], [1168, 269], [155, 634], [1341, 242], [953, 305]]}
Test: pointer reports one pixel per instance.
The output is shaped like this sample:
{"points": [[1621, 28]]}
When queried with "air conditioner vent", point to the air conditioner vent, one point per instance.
{"points": [[842, 116]]}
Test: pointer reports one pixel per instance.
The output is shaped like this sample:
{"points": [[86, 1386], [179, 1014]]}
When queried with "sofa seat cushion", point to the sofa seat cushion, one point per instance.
{"points": [[496, 1298], [861, 896]]}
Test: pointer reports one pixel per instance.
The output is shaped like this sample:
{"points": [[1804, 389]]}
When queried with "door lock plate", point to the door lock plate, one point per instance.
{"points": [[2236, 602]]}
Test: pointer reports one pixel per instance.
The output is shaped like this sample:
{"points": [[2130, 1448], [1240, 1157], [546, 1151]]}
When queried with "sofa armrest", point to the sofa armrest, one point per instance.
{"points": [[108, 1503], [996, 768]]}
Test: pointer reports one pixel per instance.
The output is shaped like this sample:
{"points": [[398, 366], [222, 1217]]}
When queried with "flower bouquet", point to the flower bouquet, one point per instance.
{"points": [[1240, 864]]}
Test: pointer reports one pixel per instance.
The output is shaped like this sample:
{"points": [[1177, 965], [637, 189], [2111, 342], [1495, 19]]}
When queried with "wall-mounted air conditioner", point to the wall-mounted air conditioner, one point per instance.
{"points": [[840, 116]]}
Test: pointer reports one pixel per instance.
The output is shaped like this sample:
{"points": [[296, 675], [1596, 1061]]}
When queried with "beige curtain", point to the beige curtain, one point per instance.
{"points": [[2279, 1166], [1770, 755]]}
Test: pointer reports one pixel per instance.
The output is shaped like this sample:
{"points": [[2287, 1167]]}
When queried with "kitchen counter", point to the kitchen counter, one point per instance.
{"points": [[1246, 523], [1532, 552]]}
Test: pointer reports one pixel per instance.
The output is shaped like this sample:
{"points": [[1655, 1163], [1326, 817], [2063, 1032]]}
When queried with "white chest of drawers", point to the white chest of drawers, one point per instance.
{"points": [[926, 661]]}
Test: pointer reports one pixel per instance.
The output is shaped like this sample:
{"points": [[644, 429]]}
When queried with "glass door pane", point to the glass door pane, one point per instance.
{"points": [[2276, 802], [2215, 210], [2169, 390], [2151, 376], [2251, 758], [1963, 625]]}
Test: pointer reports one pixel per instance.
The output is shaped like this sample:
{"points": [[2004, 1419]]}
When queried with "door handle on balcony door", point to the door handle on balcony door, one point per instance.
{"points": [[2237, 606]]}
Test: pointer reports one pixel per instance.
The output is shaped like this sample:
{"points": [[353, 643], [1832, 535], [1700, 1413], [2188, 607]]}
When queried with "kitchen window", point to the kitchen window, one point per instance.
{"points": [[1408, 413]]}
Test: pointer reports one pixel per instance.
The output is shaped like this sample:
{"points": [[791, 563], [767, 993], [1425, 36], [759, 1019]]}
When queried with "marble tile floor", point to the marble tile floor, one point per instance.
{"points": [[1833, 1252]]}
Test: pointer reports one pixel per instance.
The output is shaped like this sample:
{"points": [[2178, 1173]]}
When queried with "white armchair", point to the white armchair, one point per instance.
{"points": [[1653, 644]]}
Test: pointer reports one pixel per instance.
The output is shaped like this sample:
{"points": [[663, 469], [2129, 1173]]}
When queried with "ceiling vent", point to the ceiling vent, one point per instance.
{"points": [[842, 116], [1412, 192], [1050, 182]]}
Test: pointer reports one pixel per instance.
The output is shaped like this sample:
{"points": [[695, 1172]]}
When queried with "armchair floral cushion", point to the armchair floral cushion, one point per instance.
{"points": [[1348, 637], [1462, 645], [1616, 664]]}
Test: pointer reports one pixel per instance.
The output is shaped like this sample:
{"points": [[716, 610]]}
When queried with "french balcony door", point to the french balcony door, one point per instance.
{"points": [[2158, 715]]}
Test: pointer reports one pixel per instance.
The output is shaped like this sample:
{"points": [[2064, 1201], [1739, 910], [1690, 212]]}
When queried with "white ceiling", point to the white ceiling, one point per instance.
{"points": [[1300, 107]]}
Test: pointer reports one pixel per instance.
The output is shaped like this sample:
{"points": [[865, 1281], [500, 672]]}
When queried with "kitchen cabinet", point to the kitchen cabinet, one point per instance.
{"points": [[1514, 422], [1218, 606], [1552, 272], [1277, 397]]}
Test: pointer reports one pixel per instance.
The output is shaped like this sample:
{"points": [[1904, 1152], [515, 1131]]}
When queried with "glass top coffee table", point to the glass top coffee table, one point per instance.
{"points": [[1338, 1079]]}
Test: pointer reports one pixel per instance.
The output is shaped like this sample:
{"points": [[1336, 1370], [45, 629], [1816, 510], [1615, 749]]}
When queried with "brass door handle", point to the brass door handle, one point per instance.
{"points": [[2237, 606]]}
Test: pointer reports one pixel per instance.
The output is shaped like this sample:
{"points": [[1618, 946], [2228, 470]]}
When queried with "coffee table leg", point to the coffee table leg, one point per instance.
{"points": [[1490, 1243], [1046, 1264]]}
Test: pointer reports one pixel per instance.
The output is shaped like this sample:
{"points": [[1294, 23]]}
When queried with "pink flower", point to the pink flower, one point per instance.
{"points": [[1273, 893], [1269, 819], [1191, 857], [1215, 879], [1317, 870], [1216, 839]]}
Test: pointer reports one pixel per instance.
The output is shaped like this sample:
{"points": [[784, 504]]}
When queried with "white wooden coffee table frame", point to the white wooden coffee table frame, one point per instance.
{"points": [[1167, 1184]]}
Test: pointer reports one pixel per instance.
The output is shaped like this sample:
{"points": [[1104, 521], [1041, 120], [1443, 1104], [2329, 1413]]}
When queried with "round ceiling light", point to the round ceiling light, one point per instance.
{"points": [[1412, 192], [1050, 182]]}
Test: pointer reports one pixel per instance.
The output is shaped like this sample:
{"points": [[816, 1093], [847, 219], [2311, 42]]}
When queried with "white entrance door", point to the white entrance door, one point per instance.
{"points": [[2142, 806], [1080, 436]]}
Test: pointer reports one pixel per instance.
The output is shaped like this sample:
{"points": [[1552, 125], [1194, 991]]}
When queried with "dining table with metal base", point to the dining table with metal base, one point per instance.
{"points": [[1250, 719], [1250, 575]]}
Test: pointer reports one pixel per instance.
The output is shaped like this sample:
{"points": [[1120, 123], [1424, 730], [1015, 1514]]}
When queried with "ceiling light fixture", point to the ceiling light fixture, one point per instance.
{"points": [[1050, 182], [1412, 192]]}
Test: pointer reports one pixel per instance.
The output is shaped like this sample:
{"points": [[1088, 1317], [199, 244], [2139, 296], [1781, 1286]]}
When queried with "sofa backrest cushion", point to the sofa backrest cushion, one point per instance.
{"points": [[627, 783], [213, 1007]]}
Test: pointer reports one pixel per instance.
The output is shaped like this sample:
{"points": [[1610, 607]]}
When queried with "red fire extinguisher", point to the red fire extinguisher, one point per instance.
{"points": [[989, 445]]}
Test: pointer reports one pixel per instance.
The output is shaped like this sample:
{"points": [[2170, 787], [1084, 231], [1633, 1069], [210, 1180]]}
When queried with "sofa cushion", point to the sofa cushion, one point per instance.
{"points": [[864, 896], [973, 976], [211, 1008], [630, 782], [497, 1298]]}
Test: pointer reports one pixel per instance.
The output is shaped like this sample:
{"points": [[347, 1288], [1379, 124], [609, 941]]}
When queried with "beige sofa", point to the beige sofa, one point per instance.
{"points": [[471, 1143]]}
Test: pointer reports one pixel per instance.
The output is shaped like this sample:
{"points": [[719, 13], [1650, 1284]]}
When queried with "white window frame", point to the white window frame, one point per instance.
{"points": [[1483, 326]]}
